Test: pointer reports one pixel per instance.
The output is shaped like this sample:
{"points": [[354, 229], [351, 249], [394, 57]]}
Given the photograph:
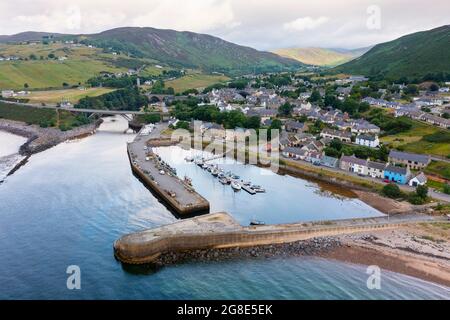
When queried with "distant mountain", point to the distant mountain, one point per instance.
{"points": [[179, 49], [321, 56], [27, 36], [414, 55]]}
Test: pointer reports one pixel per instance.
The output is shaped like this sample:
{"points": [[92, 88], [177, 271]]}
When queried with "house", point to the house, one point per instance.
{"points": [[331, 134], [368, 141], [362, 126], [329, 162], [376, 169], [215, 131], [295, 153], [419, 180], [354, 164], [412, 160], [314, 157], [397, 174], [7, 93], [294, 126]]}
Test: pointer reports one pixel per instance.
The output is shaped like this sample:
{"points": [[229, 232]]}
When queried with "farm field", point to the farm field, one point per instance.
{"points": [[195, 81], [70, 95], [413, 140]]}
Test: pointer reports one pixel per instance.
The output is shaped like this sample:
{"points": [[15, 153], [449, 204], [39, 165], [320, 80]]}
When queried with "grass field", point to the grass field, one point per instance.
{"points": [[42, 117], [27, 114], [412, 140], [49, 73], [195, 81], [71, 95], [439, 168]]}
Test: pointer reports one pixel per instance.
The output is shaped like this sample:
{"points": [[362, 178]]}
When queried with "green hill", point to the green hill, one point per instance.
{"points": [[190, 50], [176, 49], [321, 56], [415, 55]]}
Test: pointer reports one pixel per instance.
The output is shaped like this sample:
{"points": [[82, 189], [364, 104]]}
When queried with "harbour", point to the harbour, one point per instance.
{"points": [[80, 224]]}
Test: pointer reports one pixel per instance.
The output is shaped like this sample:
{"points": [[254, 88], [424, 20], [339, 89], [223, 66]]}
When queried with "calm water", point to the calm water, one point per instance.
{"points": [[68, 205], [10, 143], [286, 200]]}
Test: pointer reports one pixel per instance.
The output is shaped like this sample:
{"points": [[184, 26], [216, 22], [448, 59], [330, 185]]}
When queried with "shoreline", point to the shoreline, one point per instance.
{"points": [[347, 249], [41, 139]]}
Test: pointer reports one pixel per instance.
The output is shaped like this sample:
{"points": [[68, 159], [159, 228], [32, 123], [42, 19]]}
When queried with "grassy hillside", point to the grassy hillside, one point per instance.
{"points": [[39, 71], [320, 56], [189, 50], [414, 55], [195, 81]]}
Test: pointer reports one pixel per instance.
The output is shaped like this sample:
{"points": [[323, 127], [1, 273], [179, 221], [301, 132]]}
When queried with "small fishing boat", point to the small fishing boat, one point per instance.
{"points": [[257, 223], [246, 183], [258, 189], [223, 181], [189, 159], [235, 177], [205, 166], [215, 172], [221, 175], [236, 186]]}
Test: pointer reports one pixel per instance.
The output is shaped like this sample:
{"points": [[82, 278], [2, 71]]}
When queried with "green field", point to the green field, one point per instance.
{"points": [[49, 74], [82, 63], [195, 81], [439, 168], [26, 114], [71, 95], [42, 117], [412, 140]]}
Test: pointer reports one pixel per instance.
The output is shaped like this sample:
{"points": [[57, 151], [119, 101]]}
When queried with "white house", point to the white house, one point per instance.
{"points": [[419, 180], [8, 93], [368, 141]]}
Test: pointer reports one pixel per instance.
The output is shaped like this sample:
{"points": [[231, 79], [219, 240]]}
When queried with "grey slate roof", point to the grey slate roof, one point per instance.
{"points": [[420, 158], [399, 170]]}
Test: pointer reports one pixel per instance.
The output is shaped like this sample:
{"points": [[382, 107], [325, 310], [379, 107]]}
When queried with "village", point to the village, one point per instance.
{"points": [[313, 132]]}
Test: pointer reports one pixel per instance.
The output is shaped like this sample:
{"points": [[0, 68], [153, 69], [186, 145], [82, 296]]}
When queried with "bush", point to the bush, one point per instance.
{"points": [[422, 192], [392, 191], [415, 199], [447, 188]]}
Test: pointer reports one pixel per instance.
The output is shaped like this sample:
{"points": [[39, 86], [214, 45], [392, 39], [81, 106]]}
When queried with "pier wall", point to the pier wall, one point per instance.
{"points": [[181, 210], [134, 249]]}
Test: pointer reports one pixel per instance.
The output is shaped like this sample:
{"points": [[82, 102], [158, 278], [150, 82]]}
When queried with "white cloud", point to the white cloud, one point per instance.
{"points": [[306, 23], [197, 16]]}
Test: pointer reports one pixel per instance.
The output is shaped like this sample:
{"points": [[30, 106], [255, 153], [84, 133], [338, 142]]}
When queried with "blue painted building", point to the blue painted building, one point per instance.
{"points": [[399, 175]]}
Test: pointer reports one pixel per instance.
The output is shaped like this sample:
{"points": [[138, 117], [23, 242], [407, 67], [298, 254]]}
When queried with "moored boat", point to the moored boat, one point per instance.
{"points": [[236, 186]]}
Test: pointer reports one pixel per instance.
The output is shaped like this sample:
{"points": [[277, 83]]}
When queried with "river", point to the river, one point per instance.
{"points": [[67, 205]]}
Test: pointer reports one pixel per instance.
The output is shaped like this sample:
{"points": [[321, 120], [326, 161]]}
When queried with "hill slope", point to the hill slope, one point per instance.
{"points": [[414, 55], [178, 49], [190, 50], [321, 56]]}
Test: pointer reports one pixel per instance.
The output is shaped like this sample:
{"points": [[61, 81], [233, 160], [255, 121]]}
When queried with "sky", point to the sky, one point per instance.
{"points": [[262, 24]]}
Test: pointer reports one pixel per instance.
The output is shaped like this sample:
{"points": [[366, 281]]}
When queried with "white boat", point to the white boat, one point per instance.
{"points": [[215, 172], [236, 186], [189, 159]]}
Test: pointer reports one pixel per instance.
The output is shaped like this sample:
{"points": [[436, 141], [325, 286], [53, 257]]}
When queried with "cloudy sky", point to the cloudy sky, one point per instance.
{"points": [[263, 24]]}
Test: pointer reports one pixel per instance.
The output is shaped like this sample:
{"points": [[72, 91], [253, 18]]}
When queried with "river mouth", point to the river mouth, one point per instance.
{"points": [[288, 199]]}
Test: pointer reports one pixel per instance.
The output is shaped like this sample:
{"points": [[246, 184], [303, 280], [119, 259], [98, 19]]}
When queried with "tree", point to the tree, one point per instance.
{"points": [[392, 191], [422, 192], [51, 56], [434, 87], [315, 97], [285, 109], [276, 125], [26, 86], [447, 188]]}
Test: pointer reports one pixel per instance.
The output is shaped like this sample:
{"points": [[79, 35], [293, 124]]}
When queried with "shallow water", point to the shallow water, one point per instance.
{"points": [[69, 203]]}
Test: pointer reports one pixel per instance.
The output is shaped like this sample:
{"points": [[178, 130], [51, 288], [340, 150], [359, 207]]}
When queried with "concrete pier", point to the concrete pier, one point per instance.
{"points": [[220, 230], [181, 198]]}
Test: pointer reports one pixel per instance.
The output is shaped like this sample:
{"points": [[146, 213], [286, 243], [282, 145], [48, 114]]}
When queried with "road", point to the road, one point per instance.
{"points": [[94, 111]]}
